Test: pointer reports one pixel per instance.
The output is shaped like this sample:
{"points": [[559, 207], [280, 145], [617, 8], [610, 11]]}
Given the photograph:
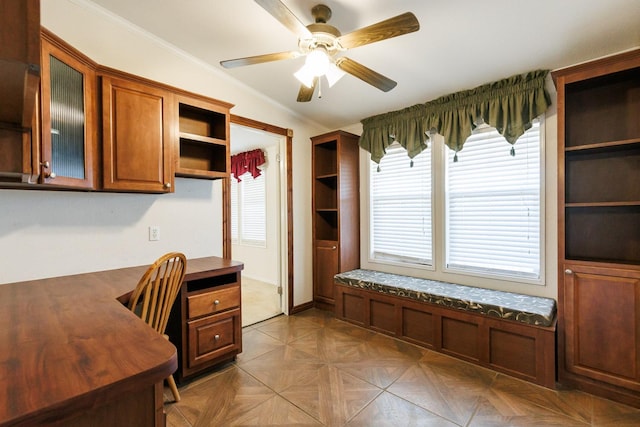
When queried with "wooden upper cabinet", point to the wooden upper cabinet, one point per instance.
{"points": [[147, 132], [68, 116], [136, 135], [19, 61]]}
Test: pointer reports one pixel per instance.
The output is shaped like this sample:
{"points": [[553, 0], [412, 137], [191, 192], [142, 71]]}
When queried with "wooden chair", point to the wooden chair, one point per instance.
{"points": [[155, 293]]}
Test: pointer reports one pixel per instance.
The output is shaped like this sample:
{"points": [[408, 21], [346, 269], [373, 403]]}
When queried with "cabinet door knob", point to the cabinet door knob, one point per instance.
{"points": [[47, 165], [167, 185], [216, 337], [216, 302], [333, 248], [568, 271]]}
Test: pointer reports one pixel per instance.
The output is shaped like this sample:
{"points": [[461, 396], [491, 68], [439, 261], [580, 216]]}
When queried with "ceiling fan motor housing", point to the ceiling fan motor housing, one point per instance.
{"points": [[321, 13], [322, 34]]}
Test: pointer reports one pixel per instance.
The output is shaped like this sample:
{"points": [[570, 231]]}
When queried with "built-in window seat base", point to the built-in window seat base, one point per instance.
{"points": [[508, 332]]}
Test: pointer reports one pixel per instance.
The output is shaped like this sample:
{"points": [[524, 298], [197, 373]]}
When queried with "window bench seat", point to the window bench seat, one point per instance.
{"points": [[508, 332]]}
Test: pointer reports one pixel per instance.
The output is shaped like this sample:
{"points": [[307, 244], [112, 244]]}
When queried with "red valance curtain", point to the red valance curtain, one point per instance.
{"points": [[247, 162]]}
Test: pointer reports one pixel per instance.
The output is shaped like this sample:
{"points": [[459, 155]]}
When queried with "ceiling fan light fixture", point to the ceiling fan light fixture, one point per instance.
{"points": [[318, 61], [334, 74], [316, 64], [305, 76]]}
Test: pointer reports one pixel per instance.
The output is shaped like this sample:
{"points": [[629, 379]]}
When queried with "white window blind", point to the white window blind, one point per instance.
{"points": [[493, 205], [401, 207], [248, 210]]}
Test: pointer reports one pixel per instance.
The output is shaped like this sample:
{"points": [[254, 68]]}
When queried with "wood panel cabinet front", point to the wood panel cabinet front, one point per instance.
{"points": [[213, 337], [602, 326], [326, 266], [213, 302], [137, 136]]}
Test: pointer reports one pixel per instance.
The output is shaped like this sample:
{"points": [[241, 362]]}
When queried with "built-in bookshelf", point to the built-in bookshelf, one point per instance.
{"points": [[203, 148]]}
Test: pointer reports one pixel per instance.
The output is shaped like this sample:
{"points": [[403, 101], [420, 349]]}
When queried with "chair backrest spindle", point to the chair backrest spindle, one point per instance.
{"points": [[157, 290]]}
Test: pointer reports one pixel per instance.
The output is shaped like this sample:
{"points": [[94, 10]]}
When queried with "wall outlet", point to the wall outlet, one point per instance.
{"points": [[154, 233]]}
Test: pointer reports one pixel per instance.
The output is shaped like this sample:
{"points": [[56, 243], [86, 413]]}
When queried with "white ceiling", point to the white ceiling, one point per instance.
{"points": [[461, 44]]}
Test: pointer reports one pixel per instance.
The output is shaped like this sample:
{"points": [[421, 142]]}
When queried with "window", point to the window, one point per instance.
{"points": [[484, 211], [493, 205], [248, 210], [401, 207]]}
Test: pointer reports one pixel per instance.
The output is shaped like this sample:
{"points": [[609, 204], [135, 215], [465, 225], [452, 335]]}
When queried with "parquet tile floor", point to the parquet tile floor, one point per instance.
{"points": [[311, 370]]}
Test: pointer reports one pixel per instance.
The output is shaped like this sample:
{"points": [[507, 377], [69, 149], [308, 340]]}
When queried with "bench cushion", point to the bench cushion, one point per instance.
{"points": [[528, 309]]}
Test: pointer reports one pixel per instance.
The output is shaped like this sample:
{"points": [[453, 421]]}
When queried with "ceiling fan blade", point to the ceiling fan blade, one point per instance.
{"points": [[306, 93], [258, 59], [282, 13], [365, 74], [392, 27]]}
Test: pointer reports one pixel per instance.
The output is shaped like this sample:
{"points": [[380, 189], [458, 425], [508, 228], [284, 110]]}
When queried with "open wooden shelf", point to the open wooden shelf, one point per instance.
{"points": [[203, 144], [604, 145]]}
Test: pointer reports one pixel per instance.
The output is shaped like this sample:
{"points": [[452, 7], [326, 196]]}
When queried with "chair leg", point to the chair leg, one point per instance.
{"points": [[174, 388]]}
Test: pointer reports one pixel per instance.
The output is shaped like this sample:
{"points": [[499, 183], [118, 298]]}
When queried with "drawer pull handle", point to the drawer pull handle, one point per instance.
{"points": [[568, 271], [216, 302], [217, 337]]}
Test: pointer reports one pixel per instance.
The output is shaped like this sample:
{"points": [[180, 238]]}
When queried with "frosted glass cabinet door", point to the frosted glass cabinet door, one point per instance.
{"points": [[68, 117]]}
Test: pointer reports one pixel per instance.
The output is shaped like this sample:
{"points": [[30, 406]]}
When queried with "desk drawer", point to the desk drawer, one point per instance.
{"points": [[213, 302], [212, 337]]}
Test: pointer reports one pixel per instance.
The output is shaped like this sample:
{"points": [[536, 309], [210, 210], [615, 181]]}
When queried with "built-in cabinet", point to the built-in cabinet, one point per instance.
{"points": [[599, 226], [97, 128], [68, 137], [19, 62], [336, 211], [206, 321], [136, 134], [59, 147], [19, 83]]}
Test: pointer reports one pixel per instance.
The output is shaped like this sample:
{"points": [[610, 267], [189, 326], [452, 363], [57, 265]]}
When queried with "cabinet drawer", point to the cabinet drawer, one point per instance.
{"points": [[213, 302], [212, 337]]}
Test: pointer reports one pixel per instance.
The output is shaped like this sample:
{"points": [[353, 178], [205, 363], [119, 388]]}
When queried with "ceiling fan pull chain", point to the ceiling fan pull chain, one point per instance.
{"points": [[319, 88]]}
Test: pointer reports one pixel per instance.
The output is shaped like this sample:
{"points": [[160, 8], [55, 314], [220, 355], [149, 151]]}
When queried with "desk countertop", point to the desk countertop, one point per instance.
{"points": [[67, 344]]}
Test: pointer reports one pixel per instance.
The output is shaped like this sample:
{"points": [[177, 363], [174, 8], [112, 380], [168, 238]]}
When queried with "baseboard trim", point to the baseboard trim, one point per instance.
{"points": [[302, 307]]}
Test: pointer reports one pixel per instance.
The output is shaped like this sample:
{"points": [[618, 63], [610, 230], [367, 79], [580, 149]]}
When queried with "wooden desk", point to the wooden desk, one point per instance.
{"points": [[71, 354]]}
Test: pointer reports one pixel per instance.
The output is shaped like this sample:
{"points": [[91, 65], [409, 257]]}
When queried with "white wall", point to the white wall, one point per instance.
{"points": [[44, 233]]}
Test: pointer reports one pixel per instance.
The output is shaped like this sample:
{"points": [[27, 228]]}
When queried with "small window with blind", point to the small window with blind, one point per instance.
{"points": [[493, 205], [248, 210], [400, 208]]}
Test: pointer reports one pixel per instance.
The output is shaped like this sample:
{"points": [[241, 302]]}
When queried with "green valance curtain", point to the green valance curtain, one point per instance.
{"points": [[509, 105]]}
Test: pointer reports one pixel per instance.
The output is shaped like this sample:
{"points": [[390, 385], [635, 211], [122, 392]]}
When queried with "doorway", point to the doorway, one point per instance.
{"points": [[258, 205]]}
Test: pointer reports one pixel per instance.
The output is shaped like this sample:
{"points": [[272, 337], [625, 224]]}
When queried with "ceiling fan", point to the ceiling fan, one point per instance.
{"points": [[321, 42]]}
